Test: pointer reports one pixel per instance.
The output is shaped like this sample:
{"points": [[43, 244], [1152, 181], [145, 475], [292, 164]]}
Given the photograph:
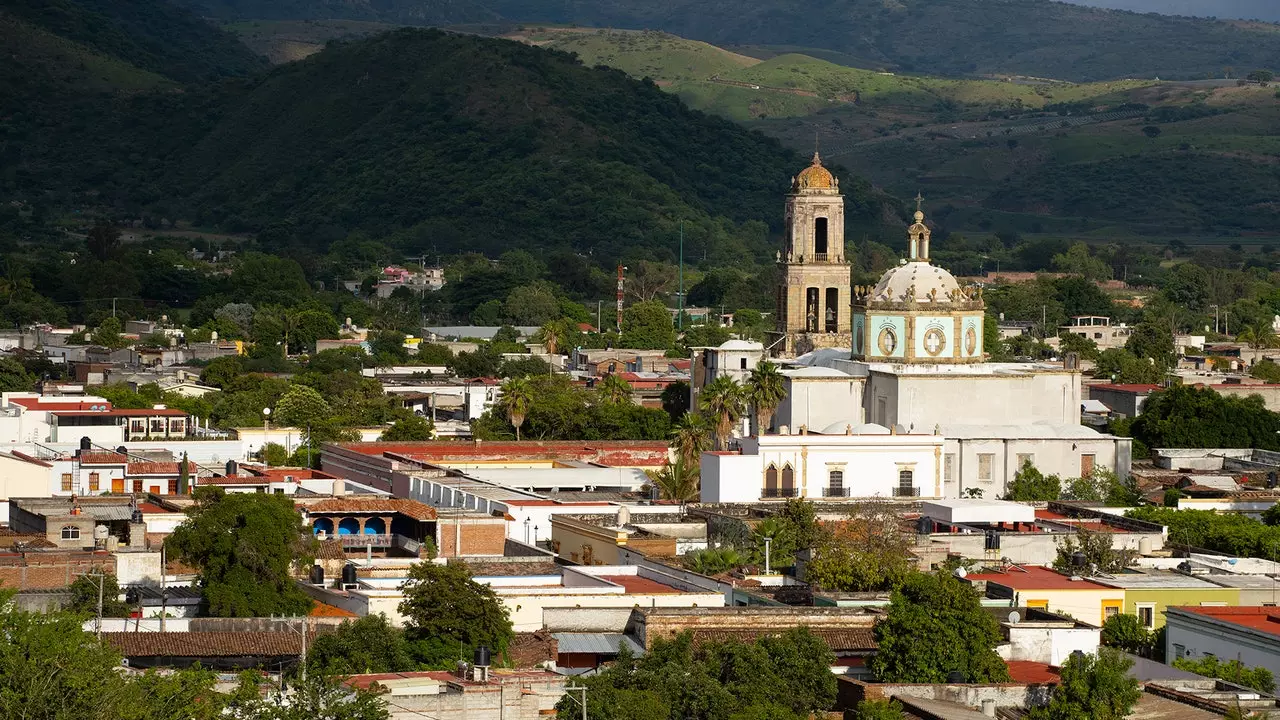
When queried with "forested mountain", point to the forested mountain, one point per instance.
{"points": [[1267, 10], [1031, 37], [440, 141]]}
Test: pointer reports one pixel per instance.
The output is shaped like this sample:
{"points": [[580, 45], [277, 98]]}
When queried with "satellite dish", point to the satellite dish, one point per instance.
{"points": [[1015, 617]]}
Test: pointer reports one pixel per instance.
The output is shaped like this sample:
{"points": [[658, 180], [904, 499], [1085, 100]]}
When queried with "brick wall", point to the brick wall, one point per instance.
{"points": [[50, 570], [480, 536]]}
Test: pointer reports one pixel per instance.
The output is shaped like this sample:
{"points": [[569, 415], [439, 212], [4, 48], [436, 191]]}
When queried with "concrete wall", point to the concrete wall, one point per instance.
{"points": [[1198, 638], [818, 402], [922, 401], [1085, 605], [1160, 599], [851, 692], [1045, 643], [730, 478], [19, 478], [1052, 456], [584, 542], [138, 567]]}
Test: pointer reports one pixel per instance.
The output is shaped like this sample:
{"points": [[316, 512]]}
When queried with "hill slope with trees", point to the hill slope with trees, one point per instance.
{"points": [[1028, 37]]}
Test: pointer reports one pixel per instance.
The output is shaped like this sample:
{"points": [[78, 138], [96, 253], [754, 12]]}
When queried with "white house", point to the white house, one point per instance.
{"points": [[843, 460], [1248, 634], [734, 358]]}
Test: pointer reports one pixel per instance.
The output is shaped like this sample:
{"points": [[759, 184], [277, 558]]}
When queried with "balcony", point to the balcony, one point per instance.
{"points": [[835, 492], [906, 492], [381, 540], [781, 492]]}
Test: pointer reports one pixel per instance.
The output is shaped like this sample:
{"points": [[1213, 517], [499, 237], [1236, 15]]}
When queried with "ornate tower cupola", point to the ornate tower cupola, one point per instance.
{"points": [[918, 313], [813, 297]]}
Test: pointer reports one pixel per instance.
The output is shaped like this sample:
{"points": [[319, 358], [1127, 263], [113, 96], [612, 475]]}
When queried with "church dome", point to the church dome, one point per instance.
{"points": [[918, 281], [815, 177]]}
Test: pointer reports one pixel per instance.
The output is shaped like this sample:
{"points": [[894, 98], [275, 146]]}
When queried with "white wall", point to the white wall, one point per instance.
{"points": [[138, 567], [1200, 638], [19, 478], [1052, 456], [819, 402], [922, 401]]}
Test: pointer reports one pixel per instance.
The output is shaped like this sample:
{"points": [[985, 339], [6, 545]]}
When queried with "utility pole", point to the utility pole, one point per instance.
{"points": [[582, 689], [599, 309], [1215, 319], [164, 589], [680, 296], [621, 268]]}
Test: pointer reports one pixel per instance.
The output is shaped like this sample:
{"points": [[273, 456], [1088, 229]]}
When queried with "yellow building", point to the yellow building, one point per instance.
{"points": [[1147, 594], [1039, 587]]}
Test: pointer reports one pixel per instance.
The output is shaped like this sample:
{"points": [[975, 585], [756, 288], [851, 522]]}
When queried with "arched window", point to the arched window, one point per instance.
{"points": [[820, 238], [771, 481], [70, 532], [788, 480]]}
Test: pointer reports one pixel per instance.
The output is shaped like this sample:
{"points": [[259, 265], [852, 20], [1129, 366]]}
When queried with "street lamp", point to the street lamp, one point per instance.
{"points": [[767, 542], [266, 432], [526, 531]]}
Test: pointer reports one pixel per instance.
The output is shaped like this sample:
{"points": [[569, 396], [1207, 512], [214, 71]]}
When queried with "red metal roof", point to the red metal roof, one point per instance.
{"points": [[636, 585], [1027, 577], [1262, 619], [116, 412]]}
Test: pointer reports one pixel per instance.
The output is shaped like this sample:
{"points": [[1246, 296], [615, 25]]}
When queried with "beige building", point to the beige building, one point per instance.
{"points": [[813, 299], [1099, 329]]}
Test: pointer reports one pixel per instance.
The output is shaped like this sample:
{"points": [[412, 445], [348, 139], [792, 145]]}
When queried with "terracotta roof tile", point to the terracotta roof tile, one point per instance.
{"points": [[323, 610], [204, 644], [1031, 673], [152, 468], [103, 458], [408, 508]]}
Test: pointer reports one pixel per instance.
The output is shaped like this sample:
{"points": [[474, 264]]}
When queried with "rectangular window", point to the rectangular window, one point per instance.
{"points": [[1147, 615], [1024, 458], [1086, 465], [1109, 611], [949, 466], [94, 481], [1179, 651], [985, 461], [137, 426], [137, 486], [66, 482]]}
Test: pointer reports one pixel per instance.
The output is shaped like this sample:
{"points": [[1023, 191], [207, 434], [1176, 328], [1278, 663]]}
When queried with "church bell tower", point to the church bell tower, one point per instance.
{"points": [[813, 303]]}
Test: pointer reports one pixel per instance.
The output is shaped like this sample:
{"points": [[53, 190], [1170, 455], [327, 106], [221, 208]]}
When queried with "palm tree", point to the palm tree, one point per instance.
{"points": [[722, 401], [691, 436], [517, 398], [614, 390], [552, 335], [1258, 336], [766, 391], [677, 480]]}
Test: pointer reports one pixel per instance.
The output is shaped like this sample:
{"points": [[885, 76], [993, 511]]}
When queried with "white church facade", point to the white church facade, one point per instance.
{"points": [[911, 363]]}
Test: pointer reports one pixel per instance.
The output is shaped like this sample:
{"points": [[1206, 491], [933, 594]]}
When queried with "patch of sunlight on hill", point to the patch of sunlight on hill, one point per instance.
{"points": [[41, 54], [661, 56]]}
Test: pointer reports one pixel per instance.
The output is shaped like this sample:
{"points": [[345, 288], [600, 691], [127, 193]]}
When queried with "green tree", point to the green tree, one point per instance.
{"points": [[409, 428], [1191, 417], [1151, 131], [367, 645], [1125, 632], [301, 406], [1098, 554], [675, 399], [1153, 342], [1085, 347], [14, 377], [878, 710], [613, 389], [103, 239], [532, 305], [317, 697], [713, 561], [936, 626], [1031, 485], [245, 548], [1077, 261], [1233, 671], [1266, 370], [515, 401], [765, 391], [677, 480], [1091, 686], [1123, 366], [108, 335], [221, 372], [691, 437], [864, 552], [443, 606], [1258, 336], [722, 401], [84, 597], [647, 326]]}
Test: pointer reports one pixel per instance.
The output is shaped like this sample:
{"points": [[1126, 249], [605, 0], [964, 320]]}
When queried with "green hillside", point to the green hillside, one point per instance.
{"points": [[158, 37], [942, 37], [444, 141], [657, 55], [42, 63], [283, 41]]}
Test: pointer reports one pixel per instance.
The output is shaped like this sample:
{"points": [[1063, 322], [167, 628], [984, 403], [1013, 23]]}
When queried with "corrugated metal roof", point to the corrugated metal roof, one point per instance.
{"points": [[108, 512], [596, 643]]}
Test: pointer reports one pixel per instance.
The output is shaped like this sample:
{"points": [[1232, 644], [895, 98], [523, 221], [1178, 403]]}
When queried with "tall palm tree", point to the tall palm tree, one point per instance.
{"points": [[677, 480], [552, 335], [516, 400], [722, 401], [614, 390], [1258, 336], [691, 436], [766, 391]]}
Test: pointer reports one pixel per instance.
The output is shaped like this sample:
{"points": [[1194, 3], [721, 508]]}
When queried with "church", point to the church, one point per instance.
{"points": [[905, 357]]}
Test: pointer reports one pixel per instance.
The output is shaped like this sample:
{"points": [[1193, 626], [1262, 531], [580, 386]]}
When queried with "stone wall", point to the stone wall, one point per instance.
{"points": [[851, 692], [51, 570]]}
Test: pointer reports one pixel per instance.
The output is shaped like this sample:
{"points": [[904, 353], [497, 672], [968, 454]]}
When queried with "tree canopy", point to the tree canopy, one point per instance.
{"points": [[1096, 686], [935, 627], [1191, 417], [245, 548], [445, 608]]}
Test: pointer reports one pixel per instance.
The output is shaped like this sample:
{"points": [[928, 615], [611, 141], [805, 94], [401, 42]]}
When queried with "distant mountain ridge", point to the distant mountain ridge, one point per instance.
{"points": [[949, 37], [1266, 10]]}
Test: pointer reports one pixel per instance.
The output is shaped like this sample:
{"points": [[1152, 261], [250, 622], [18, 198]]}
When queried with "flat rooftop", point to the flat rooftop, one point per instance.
{"points": [[1028, 577], [1156, 580], [610, 453], [978, 511]]}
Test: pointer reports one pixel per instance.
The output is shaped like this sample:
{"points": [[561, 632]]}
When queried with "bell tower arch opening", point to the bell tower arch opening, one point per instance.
{"points": [[820, 239]]}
